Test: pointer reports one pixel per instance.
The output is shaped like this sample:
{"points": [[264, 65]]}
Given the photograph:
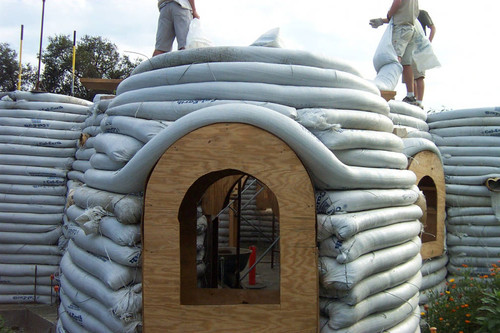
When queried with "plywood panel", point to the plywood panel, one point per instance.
{"points": [[190, 166], [427, 166]]}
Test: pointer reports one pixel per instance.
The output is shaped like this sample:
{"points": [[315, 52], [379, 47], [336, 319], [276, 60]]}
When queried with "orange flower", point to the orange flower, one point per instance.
{"points": [[440, 318], [451, 299], [467, 321], [485, 276], [467, 315], [451, 280], [453, 310], [464, 265], [422, 314]]}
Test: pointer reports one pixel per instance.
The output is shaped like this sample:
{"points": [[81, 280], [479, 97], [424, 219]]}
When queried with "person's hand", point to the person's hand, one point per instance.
{"points": [[195, 14], [376, 22]]}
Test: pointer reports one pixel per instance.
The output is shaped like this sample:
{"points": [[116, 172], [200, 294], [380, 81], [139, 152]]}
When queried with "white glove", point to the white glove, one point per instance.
{"points": [[376, 22]]}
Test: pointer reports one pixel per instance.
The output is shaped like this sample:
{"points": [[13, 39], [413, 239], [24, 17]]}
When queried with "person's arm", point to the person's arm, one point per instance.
{"points": [[394, 8], [432, 32], [193, 7]]}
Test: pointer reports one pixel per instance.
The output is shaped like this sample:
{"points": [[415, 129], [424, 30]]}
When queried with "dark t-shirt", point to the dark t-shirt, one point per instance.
{"points": [[425, 20]]}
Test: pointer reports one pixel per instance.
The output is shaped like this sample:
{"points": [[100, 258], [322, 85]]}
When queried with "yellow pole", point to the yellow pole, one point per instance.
{"points": [[74, 60], [20, 58]]}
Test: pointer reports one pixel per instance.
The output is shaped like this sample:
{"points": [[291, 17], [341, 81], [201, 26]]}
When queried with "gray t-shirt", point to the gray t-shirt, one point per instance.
{"points": [[407, 12]]}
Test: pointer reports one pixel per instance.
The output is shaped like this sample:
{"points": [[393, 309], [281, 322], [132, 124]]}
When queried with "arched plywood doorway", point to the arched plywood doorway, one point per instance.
{"points": [[428, 168], [184, 172]]}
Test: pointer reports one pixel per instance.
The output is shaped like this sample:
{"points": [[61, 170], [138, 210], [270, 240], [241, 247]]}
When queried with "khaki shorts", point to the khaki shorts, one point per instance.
{"points": [[403, 42], [173, 23], [416, 73]]}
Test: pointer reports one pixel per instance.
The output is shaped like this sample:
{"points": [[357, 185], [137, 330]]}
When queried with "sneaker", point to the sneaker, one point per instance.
{"points": [[410, 100]]}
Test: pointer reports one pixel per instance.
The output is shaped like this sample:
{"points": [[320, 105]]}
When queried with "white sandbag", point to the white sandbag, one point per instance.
{"points": [[474, 261], [467, 200], [81, 317], [17, 217], [406, 132], [339, 139], [388, 76], [413, 146], [126, 302], [40, 123], [271, 38], [461, 122], [121, 234], [464, 113], [173, 110], [12, 289], [46, 238], [400, 119], [472, 160], [434, 264], [84, 154], [281, 74], [140, 129], [433, 279], [466, 141], [245, 54], [325, 169], [40, 114], [323, 119], [29, 249], [39, 142], [31, 171], [475, 251], [31, 208], [92, 130], [346, 276], [335, 202], [475, 231], [53, 106], [343, 315], [94, 120], [380, 321], [118, 147], [376, 283], [26, 299], [33, 199], [47, 134], [466, 240], [459, 170], [297, 97], [27, 270], [126, 208], [402, 108], [21, 227], [344, 226], [469, 180], [46, 97], [410, 324], [102, 246], [37, 259], [39, 161], [68, 323], [81, 165], [112, 274], [385, 53], [47, 280], [95, 308], [76, 175], [15, 149], [104, 162], [468, 211], [486, 220], [367, 241], [17, 180], [372, 158], [472, 190]]}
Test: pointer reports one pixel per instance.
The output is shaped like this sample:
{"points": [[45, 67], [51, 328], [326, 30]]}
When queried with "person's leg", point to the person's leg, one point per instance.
{"points": [[420, 84], [182, 18], [408, 78], [165, 32]]}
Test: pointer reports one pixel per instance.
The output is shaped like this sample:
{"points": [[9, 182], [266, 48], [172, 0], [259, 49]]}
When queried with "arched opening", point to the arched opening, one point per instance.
{"points": [[217, 222], [429, 218]]}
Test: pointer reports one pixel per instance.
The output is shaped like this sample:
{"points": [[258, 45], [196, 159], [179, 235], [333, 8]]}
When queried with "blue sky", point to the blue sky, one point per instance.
{"points": [[465, 43]]}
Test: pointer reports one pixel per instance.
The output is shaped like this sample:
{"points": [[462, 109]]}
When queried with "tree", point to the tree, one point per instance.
{"points": [[9, 71], [96, 57]]}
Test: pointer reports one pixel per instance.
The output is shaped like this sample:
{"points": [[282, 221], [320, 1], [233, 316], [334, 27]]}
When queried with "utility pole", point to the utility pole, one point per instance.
{"points": [[40, 51], [20, 59]]}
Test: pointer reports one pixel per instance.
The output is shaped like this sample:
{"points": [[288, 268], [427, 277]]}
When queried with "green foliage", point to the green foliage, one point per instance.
{"points": [[9, 70], [95, 57], [468, 304]]}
